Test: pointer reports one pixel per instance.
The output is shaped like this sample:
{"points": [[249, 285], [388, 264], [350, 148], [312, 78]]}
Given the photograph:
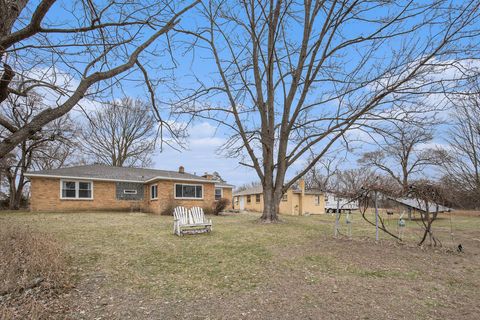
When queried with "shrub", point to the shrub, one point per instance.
{"points": [[208, 210], [220, 205], [168, 211], [32, 267]]}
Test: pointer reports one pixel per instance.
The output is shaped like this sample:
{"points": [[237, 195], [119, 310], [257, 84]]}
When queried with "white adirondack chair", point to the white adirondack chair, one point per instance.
{"points": [[180, 218], [190, 221], [198, 219]]}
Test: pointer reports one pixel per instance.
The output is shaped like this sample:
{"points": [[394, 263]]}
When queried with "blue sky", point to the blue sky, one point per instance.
{"points": [[200, 153]]}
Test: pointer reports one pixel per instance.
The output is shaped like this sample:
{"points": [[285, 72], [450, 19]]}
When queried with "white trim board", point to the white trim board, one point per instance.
{"points": [[188, 198], [76, 189]]}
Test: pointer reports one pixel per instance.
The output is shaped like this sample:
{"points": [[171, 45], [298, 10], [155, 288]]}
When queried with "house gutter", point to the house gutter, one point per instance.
{"points": [[111, 179]]}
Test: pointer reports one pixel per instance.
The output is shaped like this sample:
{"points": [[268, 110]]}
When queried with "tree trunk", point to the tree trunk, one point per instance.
{"points": [[14, 201], [271, 205]]}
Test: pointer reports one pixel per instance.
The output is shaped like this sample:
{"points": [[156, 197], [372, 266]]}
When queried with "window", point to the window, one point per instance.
{"points": [[236, 200], [188, 191], [85, 190], [317, 200], [130, 191], [257, 198], [153, 191], [284, 197], [218, 193], [249, 199], [76, 190]]}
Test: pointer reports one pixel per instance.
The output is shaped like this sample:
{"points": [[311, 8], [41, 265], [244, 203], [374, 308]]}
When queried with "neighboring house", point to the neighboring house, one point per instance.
{"points": [[294, 201], [332, 201], [102, 187]]}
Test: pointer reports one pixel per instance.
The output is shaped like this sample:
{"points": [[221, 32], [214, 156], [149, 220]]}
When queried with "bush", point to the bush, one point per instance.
{"points": [[220, 205], [168, 211], [208, 210], [32, 267]]}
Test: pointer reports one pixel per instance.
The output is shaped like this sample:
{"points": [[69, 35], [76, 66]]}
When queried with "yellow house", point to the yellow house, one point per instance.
{"points": [[294, 202]]}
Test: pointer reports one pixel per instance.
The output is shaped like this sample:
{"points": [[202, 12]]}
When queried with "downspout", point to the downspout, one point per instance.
{"points": [[302, 197]]}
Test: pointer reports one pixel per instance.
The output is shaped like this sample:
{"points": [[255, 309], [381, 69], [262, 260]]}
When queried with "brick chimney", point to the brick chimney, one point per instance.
{"points": [[181, 169], [208, 176]]}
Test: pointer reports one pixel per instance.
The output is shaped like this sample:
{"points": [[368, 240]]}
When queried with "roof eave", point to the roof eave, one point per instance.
{"points": [[37, 175], [177, 179]]}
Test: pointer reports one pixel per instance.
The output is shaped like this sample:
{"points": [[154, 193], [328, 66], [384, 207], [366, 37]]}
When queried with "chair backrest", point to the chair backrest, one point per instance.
{"points": [[181, 214], [197, 215]]}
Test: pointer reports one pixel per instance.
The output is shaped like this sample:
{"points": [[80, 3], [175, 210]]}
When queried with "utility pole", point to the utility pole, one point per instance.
{"points": [[376, 217]]}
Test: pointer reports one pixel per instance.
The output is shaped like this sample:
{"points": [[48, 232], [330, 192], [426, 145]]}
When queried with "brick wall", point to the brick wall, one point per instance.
{"points": [[45, 196], [227, 194], [166, 196]]}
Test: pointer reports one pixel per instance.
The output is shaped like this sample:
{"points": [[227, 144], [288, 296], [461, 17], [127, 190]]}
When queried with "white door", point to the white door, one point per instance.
{"points": [[242, 203]]}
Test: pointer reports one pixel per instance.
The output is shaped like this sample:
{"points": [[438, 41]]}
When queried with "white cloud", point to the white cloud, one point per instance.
{"points": [[201, 156]]}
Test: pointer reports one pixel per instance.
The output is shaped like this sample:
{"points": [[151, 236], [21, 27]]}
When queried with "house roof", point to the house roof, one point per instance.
{"points": [[251, 190], [222, 184], [110, 173], [309, 191], [420, 205], [259, 189]]}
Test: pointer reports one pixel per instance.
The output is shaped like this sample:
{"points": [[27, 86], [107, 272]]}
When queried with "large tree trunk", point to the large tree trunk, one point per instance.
{"points": [[15, 195], [14, 203], [271, 205]]}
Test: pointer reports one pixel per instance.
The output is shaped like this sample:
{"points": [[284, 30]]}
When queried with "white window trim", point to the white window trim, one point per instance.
{"points": [[215, 193], [76, 189], [187, 198], [130, 191], [151, 197]]}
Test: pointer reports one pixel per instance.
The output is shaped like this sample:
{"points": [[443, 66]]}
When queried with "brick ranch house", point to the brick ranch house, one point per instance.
{"points": [[102, 188]]}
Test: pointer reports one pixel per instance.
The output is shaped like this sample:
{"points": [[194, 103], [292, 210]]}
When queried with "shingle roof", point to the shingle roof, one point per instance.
{"points": [[221, 184], [104, 172], [251, 190], [420, 205]]}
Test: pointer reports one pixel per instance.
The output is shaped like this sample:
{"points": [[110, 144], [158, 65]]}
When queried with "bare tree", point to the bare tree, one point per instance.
{"points": [[298, 76], [47, 148], [463, 166], [323, 174], [79, 49], [400, 154], [351, 181], [122, 133], [429, 196]]}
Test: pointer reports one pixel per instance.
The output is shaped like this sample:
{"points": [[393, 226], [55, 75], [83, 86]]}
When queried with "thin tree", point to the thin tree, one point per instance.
{"points": [[463, 166], [401, 153], [122, 133], [48, 148], [322, 175], [77, 49], [296, 76]]}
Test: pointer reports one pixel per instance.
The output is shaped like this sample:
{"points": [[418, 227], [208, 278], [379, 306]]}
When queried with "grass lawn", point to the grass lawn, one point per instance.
{"points": [[129, 265]]}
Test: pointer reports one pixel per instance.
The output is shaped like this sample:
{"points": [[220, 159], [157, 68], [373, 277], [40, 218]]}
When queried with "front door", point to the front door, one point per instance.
{"points": [[242, 203]]}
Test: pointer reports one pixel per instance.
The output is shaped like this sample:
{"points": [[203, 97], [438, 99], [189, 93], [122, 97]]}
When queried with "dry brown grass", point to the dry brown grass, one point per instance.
{"points": [[33, 270], [131, 266], [467, 213]]}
